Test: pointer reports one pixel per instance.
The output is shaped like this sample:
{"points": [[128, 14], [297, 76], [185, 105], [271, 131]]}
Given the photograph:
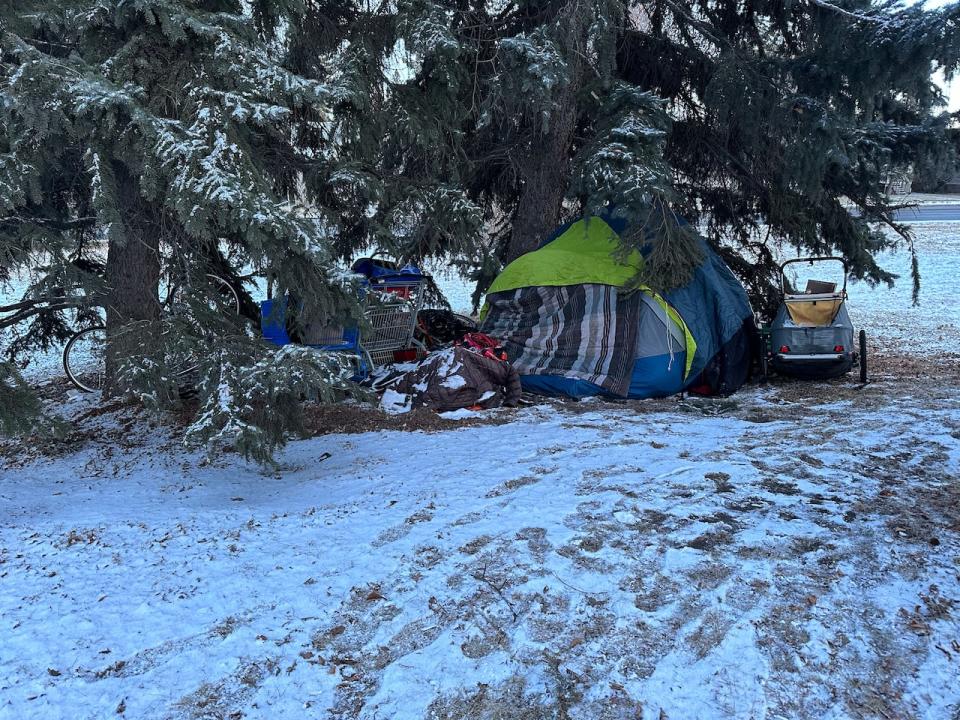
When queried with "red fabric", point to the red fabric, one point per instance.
{"points": [[483, 344], [402, 291]]}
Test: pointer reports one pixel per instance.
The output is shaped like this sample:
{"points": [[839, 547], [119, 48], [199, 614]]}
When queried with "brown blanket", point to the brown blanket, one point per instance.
{"points": [[452, 379]]}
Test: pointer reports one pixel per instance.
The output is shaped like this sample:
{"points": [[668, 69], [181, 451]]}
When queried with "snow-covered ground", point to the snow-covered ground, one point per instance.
{"points": [[889, 315], [792, 552]]}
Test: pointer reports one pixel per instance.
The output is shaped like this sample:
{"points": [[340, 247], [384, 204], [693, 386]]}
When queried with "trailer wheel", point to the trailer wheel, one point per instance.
{"points": [[863, 356]]}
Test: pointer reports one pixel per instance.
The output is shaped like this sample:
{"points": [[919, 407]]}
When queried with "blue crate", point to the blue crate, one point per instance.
{"points": [[274, 329]]}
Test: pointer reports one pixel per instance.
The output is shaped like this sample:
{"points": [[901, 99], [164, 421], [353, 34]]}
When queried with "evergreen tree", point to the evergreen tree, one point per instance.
{"points": [[160, 138], [933, 172], [22, 412], [146, 135], [476, 126], [784, 111]]}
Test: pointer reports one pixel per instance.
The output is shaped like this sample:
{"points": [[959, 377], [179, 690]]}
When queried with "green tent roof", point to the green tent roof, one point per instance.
{"points": [[586, 253]]}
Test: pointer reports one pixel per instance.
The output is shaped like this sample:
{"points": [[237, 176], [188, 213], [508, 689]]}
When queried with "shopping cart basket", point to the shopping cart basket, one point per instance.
{"points": [[391, 296]]}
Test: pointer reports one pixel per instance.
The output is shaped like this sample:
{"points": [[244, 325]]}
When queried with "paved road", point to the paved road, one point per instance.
{"points": [[930, 213]]}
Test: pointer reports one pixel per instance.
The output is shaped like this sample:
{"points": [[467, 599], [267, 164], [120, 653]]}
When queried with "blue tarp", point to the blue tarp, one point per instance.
{"points": [[656, 376], [715, 308], [383, 272]]}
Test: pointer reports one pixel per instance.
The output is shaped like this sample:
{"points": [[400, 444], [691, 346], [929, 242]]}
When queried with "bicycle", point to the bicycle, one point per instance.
{"points": [[84, 355]]}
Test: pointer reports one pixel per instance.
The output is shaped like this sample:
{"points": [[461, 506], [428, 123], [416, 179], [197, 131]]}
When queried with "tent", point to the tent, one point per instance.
{"points": [[572, 325]]}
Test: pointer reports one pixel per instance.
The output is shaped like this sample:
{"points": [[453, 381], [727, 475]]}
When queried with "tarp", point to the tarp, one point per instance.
{"points": [[717, 313], [380, 271]]}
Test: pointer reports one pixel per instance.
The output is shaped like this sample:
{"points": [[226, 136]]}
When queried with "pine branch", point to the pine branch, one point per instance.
{"points": [[36, 309], [60, 225], [846, 13]]}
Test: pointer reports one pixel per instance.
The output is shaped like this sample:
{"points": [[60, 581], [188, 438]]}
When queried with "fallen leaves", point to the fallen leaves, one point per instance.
{"points": [[915, 621], [81, 537]]}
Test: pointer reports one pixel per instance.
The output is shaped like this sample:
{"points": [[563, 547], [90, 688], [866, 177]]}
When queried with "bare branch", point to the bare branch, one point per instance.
{"points": [[27, 309]]}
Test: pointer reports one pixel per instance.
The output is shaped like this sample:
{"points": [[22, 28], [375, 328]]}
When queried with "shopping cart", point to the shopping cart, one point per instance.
{"points": [[391, 297], [390, 311]]}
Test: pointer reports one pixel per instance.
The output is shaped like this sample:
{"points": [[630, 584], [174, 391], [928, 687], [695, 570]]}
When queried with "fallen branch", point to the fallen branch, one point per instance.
{"points": [[482, 577]]}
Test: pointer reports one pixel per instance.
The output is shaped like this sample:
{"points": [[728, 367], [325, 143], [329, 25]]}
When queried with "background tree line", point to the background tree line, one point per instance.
{"points": [[144, 140]]}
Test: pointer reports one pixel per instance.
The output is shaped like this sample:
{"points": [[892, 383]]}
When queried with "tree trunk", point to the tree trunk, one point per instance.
{"points": [[133, 278], [545, 171], [546, 168]]}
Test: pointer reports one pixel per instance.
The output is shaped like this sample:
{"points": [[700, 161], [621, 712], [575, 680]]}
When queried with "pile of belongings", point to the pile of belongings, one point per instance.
{"points": [[437, 328], [473, 373]]}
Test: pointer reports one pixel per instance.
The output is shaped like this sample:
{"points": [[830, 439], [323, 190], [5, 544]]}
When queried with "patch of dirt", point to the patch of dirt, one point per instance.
{"points": [[475, 545], [356, 418], [113, 424], [710, 540], [780, 487], [510, 485], [709, 633]]}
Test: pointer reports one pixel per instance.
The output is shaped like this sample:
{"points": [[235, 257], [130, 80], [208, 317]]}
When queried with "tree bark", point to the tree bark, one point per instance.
{"points": [[133, 279], [546, 167], [545, 171]]}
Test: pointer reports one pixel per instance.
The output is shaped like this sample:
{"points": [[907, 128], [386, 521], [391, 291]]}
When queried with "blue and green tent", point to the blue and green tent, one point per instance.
{"points": [[573, 323]]}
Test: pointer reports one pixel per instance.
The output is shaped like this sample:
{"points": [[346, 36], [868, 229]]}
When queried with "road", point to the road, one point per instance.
{"points": [[930, 213]]}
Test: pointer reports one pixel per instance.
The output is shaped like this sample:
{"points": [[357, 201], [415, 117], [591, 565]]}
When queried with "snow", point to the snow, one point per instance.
{"points": [[931, 198], [789, 553], [891, 319], [461, 414], [395, 403], [540, 58], [454, 382]]}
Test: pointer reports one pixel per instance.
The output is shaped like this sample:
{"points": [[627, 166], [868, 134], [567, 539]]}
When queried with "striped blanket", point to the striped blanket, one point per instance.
{"points": [[587, 332]]}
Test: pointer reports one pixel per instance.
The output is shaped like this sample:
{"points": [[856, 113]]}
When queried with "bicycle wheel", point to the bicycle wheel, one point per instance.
{"points": [[216, 293], [224, 295], [84, 358]]}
